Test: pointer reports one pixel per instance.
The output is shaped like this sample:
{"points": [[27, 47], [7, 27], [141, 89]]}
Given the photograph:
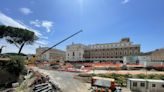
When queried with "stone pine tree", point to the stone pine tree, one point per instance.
{"points": [[1, 49], [2, 33], [17, 36]]}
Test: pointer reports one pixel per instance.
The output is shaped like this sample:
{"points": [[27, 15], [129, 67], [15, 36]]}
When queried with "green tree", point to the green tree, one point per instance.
{"points": [[17, 36], [14, 66], [1, 49], [2, 32]]}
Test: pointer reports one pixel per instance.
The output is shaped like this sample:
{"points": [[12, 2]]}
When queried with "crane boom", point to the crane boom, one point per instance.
{"points": [[61, 42], [33, 59]]}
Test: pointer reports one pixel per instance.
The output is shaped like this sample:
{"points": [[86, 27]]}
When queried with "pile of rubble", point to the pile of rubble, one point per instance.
{"points": [[42, 84]]}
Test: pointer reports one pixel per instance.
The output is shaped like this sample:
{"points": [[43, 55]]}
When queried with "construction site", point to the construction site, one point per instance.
{"points": [[42, 75]]}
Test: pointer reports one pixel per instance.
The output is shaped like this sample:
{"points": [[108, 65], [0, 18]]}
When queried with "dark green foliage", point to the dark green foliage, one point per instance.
{"points": [[15, 65], [128, 75], [161, 77], [2, 32], [152, 76], [141, 76], [121, 80], [17, 36], [7, 78], [11, 70], [14, 54]]}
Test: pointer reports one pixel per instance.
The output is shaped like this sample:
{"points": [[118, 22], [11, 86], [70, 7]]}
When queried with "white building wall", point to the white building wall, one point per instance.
{"points": [[132, 59], [148, 85], [158, 87], [47, 56], [75, 52]]}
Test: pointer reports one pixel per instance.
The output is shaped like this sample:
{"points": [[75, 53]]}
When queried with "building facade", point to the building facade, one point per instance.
{"points": [[140, 60], [52, 55], [145, 85], [75, 52], [157, 55], [111, 51], [102, 52]]}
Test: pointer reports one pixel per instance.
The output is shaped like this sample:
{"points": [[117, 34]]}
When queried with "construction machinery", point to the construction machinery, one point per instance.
{"points": [[100, 84], [32, 61]]}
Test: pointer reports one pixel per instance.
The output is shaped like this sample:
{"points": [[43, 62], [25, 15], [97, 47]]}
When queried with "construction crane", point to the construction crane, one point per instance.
{"points": [[34, 58]]}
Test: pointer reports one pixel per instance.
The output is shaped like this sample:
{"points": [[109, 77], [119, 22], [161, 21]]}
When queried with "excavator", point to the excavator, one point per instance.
{"points": [[32, 61]]}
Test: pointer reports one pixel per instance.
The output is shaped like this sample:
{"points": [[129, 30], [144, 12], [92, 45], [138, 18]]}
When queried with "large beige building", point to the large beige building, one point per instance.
{"points": [[111, 51], [75, 52], [157, 55], [51, 55], [102, 52]]}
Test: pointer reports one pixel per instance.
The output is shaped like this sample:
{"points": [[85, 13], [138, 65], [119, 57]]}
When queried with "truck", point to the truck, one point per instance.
{"points": [[100, 84]]}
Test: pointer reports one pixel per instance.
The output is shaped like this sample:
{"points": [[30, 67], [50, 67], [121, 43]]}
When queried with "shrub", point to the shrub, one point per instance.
{"points": [[15, 65], [142, 76], [124, 67], [161, 77], [128, 75], [121, 80], [6, 78]]}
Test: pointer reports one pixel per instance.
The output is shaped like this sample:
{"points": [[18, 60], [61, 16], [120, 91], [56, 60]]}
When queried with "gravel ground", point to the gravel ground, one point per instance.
{"points": [[66, 81], [125, 90], [127, 72]]}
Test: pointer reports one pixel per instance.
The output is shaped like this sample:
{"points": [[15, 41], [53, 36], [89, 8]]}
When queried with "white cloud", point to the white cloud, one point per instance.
{"points": [[35, 23], [125, 1], [25, 10], [46, 24], [42, 42], [44, 37], [8, 21]]}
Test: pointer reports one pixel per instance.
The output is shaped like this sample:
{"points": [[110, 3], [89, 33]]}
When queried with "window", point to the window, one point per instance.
{"points": [[73, 53], [142, 84], [163, 85], [134, 84], [153, 85]]}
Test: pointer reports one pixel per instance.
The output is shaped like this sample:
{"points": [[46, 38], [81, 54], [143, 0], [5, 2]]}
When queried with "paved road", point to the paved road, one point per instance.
{"points": [[66, 81]]}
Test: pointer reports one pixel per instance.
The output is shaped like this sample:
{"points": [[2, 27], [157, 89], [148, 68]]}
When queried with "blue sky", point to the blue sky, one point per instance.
{"points": [[102, 21]]}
